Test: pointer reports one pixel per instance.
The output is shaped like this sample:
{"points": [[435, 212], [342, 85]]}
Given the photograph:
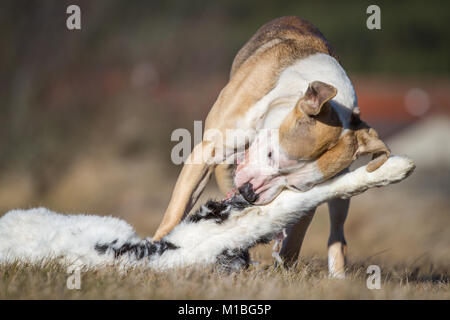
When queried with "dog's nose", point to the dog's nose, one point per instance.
{"points": [[246, 190]]}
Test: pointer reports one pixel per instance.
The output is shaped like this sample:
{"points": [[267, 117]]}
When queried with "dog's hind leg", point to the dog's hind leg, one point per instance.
{"points": [[292, 244], [337, 246]]}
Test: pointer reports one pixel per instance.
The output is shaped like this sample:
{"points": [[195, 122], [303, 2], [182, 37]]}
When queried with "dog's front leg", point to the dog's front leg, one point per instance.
{"points": [[192, 180]]}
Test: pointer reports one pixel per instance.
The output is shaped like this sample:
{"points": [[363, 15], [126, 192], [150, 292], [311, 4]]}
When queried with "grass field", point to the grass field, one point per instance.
{"points": [[308, 281]]}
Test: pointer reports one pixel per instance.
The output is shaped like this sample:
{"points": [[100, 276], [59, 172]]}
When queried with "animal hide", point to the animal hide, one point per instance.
{"points": [[219, 233]]}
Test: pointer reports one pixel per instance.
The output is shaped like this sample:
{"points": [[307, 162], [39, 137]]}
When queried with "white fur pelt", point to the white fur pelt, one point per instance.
{"points": [[220, 232]]}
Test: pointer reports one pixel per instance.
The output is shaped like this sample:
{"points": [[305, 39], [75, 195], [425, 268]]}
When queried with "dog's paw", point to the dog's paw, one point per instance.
{"points": [[395, 169]]}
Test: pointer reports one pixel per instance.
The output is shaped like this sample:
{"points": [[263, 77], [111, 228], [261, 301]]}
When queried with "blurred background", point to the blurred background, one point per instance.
{"points": [[86, 116]]}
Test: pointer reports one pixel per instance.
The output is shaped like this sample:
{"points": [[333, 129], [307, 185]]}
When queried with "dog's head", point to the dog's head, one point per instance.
{"points": [[312, 126], [315, 130], [315, 126]]}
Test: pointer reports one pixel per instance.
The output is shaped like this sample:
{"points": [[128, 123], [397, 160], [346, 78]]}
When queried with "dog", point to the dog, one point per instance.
{"points": [[286, 77], [219, 234]]}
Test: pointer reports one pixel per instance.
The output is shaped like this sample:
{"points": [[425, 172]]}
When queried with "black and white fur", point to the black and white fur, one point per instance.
{"points": [[219, 233]]}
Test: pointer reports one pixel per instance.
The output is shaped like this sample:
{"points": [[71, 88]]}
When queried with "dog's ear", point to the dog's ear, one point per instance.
{"points": [[369, 143], [317, 94]]}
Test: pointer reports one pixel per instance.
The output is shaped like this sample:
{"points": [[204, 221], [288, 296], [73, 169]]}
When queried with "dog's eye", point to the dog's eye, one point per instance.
{"points": [[270, 154]]}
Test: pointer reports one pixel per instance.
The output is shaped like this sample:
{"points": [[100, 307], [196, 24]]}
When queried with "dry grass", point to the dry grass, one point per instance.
{"points": [[309, 281]]}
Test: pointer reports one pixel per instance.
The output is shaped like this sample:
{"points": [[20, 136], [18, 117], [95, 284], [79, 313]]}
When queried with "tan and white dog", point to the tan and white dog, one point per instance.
{"points": [[287, 78]]}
